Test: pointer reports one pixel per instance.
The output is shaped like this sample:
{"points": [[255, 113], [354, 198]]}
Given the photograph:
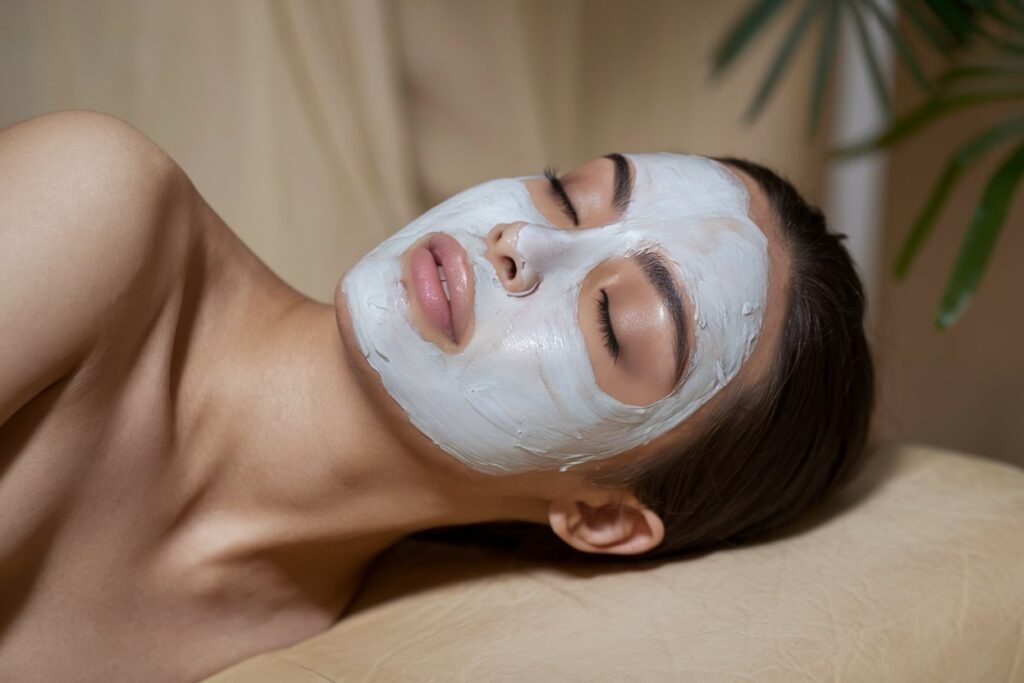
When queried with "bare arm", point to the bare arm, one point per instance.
{"points": [[83, 196]]}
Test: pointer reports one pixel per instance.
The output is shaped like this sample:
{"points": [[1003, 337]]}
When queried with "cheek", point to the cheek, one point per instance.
{"points": [[518, 331], [549, 331]]}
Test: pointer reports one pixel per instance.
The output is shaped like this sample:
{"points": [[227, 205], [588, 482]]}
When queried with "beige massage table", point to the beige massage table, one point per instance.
{"points": [[915, 572]]}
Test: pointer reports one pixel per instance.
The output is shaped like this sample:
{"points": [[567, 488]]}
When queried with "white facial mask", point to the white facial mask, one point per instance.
{"points": [[522, 394]]}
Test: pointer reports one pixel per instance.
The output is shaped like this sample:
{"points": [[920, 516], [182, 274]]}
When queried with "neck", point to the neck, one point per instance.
{"points": [[299, 465]]}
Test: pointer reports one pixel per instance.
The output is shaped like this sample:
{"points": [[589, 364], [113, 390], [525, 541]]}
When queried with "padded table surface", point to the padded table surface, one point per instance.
{"points": [[914, 572]]}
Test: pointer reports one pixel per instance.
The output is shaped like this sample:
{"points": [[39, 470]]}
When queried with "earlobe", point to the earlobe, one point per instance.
{"points": [[619, 526]]}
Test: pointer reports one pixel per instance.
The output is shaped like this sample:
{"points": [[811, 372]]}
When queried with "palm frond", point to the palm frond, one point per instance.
{"points": [[984, 71], [976, 250], [926, 114], [823, 64], [994, 32], [956, 16], [903, 49], [743, 33], [782, 58], [867, 46], [918, 13], [966, 155]]}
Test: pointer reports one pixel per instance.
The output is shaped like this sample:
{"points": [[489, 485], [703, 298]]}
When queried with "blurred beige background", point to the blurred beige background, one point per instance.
{"points": [[963, 387], [317, 128]]}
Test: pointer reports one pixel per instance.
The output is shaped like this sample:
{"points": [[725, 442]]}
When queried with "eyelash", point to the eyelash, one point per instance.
{"points": [[560, 194], [603, 304], [610, 342]]}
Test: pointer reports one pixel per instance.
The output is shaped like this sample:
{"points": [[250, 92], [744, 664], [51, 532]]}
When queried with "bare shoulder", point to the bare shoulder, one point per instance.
{"points": [[84, 146], [89, 208]]}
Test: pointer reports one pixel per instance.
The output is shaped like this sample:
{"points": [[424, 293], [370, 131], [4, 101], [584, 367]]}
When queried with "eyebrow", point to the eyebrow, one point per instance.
{"points": [[623, 181], [658, 274]]}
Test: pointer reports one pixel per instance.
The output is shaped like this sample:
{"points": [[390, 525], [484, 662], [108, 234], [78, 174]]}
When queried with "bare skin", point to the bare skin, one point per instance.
{"points": [[196, 464]]}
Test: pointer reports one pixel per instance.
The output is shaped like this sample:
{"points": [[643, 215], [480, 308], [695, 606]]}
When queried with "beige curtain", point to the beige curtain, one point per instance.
{"points": [[316, 128], [286, 115], [501, 88], [492, 88]]}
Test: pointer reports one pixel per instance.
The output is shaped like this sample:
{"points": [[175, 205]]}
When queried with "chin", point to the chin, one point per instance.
{"points": [[373, 389], [364, 372], [343, 318]]}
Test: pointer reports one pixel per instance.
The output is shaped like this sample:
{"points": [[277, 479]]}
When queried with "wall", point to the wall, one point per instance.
{"points": [[962, 388], [505, 88]]}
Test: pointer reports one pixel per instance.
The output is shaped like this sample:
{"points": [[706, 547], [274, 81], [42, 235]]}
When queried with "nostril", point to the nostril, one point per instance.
{"points": [[510, 267], [496, 233]]}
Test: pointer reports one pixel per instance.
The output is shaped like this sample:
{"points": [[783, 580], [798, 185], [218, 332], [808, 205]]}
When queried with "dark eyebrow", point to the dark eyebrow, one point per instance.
{"points": [[623, 181], [657, 273]]}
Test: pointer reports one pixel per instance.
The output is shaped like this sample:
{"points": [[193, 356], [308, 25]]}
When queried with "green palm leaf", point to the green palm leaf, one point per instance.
{"points": [[782, 58], [1000, 43], [823, 65], [927, 114], [874, 68], [1003, 17], [902, 48], [995, 26], [937, 36], [743, 33], [986, 224], [955, 17], [972, 72], [966, 155]]}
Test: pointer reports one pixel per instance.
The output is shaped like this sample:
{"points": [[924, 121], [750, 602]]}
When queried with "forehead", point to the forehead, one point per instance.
{"points": [[707, 185], [695, 203], [680, 186]]}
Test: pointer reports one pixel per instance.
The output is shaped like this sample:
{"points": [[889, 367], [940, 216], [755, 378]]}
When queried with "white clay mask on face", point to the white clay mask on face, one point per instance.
{"points": [[521, 394]]}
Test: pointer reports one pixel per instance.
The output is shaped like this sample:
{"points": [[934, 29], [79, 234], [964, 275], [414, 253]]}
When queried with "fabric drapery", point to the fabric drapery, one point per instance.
{"points": [[286, 115], [315, 128]]}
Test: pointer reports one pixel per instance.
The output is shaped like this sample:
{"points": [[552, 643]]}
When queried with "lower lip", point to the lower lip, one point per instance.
{"points": [[443, 251]]}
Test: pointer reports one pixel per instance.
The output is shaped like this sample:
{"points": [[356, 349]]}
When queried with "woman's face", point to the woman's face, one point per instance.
{"points": [[534, 323]]}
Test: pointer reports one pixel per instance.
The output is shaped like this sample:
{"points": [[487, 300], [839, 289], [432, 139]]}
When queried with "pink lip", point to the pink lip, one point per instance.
{"points": [[450, 316]]}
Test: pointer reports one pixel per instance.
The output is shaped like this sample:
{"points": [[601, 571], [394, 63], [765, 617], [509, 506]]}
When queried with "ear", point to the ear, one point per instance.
{"points": [[606, 523]]}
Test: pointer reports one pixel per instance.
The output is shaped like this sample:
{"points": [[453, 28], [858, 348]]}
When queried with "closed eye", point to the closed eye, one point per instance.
{"points": [[558, 190], [604, 315]]}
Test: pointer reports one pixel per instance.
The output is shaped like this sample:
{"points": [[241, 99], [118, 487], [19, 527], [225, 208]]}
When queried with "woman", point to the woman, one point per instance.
{"points": [[650, 354]]}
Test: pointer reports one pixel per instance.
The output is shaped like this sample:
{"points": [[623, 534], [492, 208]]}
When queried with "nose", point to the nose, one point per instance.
{"points": [[518, 277]]}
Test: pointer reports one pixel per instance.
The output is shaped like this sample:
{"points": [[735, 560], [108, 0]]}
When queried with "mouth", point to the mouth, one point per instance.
{"points": [[438, 272]]}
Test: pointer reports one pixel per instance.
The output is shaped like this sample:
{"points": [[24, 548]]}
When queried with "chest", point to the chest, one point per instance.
{"points": [[78, 464], [77, 461], [91, 491]]}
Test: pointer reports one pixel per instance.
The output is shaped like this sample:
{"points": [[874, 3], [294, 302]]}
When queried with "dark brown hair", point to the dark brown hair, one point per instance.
{"points": [[776, 450], [772, 452]]}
